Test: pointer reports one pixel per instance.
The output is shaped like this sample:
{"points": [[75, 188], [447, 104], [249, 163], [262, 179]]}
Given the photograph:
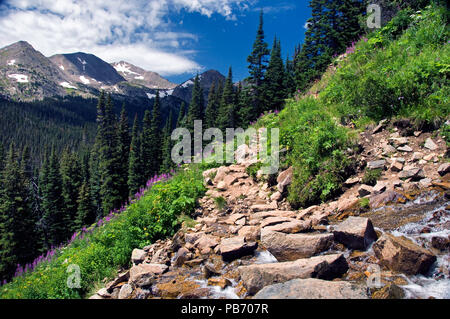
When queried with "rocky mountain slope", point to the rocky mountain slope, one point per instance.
{"points": [[247, 242], [139, 76], [27, 75]]}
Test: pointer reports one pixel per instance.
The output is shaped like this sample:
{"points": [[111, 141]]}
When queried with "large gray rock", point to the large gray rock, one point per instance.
{"points": [[376, 164], [236, 247], [284, 179], [289, 247], [355, 233], [292, 226], [138, 256], [257, 276], [401, 254], [145, 274], [444, 169], [313, 289], [413, 173], [125, 291], [430, 144]]}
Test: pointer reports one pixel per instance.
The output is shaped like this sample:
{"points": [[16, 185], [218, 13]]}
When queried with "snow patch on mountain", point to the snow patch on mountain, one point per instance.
{"points": [[12, 62], [21, 78], [67, 85], [61, 67], [187, 83], [84, 80], [122, 67], [140, 77]]}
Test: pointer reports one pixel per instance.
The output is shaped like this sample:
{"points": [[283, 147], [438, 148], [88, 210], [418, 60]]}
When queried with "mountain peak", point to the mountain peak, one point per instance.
{"points": [[139, 76]]}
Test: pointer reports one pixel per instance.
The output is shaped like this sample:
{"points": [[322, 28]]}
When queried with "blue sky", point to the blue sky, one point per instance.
{"points": [[223, 43], [176, 38]]}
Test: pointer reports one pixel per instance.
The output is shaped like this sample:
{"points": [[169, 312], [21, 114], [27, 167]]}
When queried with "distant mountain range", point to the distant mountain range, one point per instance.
{"points": [[27, 75]]}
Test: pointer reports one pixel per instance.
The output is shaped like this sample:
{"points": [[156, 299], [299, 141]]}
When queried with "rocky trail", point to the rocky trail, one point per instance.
{"points": [[248, 242]]}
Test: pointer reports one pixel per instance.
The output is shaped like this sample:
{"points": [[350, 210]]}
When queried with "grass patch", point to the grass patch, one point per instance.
{"points": [[371, 176], [220, 202]]}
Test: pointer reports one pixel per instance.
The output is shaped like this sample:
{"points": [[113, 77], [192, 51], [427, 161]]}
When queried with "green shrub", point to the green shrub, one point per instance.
{"points": [[156, 215], [371, 176], [220, 202]]}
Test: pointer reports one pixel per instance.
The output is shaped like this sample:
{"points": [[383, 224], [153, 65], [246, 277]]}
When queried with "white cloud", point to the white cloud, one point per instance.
{"points": [[132, 30]]}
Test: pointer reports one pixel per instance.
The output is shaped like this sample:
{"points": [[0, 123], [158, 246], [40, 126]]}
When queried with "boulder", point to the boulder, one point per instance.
{"points": [[284, 179], [379, 187], [402, 255], [399, 141], [191, 238], [351, 181], [364, 190], [355, 233], [313, 289], [389, 149], [250, 233], [444, 169], [125, 291], [405, 148], [181, 257], [205, 243], [396, 166], [122, 277], [289, 247], [430, 144], [413, 173], [277, 196], [292, 226], [236, 247], [104, 293], [222, 186], [221, 172], [385, 198], [264, 207], [138, 256], [257, 276], [376, 164], [145, 274]]}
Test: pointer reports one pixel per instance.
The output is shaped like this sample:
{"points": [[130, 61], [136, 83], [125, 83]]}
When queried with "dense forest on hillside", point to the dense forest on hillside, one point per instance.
{"points": [[68, 164]]}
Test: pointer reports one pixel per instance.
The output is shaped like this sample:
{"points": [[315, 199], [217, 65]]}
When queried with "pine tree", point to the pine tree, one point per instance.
{"points": [[155, 137], [71, 175], [16, 219], [195, 111], [181, 119], [226, 112], [257, 65], [134, 164], [146, 148], [212, 107], [52, 202], [94, 159], [86, 214], [124, 154], [109, 160], [274, 84], [167, 163]]}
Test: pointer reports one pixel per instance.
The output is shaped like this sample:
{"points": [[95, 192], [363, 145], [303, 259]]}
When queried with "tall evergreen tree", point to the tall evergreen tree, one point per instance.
{"points": [[258, 60], [123, 154], [86, 213], [155, 137], [109, 160], [146, 148], [195, 111], [226, 112], [212, 107], [52, 202], [274, 83], [71, 175], [94, 159], [181, 119], [167, 163], [134, 165]]}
